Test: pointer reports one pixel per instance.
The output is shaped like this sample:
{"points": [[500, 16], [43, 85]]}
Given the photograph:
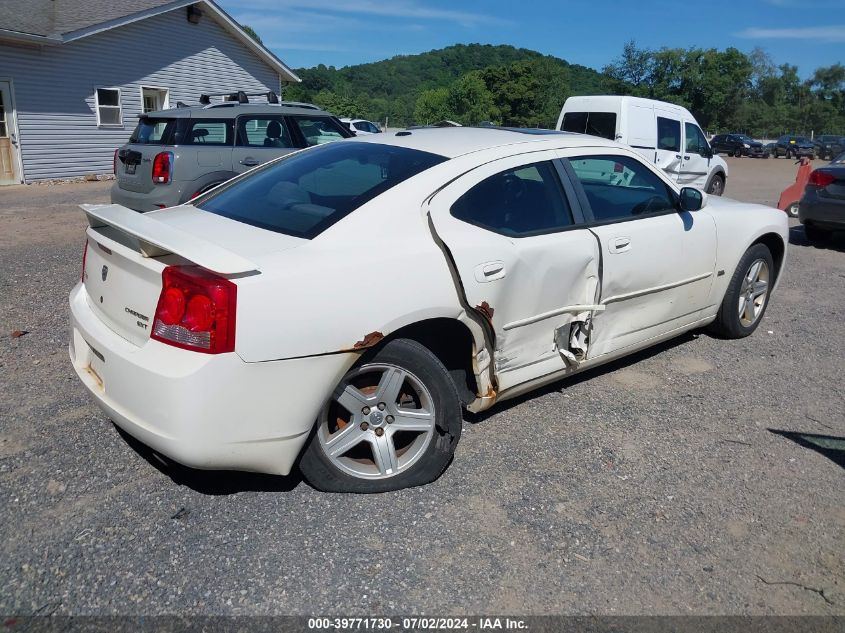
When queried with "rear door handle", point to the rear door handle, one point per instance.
{"points": [[249, 162], [490, 271], [620, 244]]}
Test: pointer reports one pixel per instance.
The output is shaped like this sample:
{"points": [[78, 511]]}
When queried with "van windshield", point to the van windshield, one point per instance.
{"points": [[305, 193], [601, 124]]}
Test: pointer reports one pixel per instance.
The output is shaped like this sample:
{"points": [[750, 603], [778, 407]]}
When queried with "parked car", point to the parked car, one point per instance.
{"points": [[794, 147], [737, 145], [174, 155], [828, 146], [655, 129], [822, 207], [361, 127], [340, 305]]}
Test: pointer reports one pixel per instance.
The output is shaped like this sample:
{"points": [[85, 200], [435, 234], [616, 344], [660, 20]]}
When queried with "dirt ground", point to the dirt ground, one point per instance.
{"points": [[678, 481]]}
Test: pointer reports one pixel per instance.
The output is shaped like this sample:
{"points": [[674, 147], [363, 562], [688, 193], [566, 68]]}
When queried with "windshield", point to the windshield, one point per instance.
{"points": [[305, 193], [153, 131], [743, 137]]}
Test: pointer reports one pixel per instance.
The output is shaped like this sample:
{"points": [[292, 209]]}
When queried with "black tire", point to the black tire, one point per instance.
{"points": [[815, 235], [738, 153], [727, 323], [415, 359], [716, 187]]}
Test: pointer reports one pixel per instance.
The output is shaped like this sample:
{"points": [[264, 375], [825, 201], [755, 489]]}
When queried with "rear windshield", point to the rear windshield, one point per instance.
{"points": [[153, 131], [305, 193], [601, 124]]}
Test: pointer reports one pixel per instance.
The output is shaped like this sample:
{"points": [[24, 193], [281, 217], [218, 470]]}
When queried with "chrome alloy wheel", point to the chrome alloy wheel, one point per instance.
{"points": [[379, 422], [753, 293]]}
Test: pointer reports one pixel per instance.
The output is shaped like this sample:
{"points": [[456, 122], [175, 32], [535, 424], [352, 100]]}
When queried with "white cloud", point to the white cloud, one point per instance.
{"points": [[832, 33], [393, 9]]}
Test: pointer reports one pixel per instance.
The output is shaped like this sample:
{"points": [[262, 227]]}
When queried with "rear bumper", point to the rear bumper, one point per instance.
{"points": [[204, 411], [822, 212], [158, 198]]}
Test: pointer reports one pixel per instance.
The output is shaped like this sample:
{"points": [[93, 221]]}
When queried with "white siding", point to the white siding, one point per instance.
{"points": [[54, 86]]}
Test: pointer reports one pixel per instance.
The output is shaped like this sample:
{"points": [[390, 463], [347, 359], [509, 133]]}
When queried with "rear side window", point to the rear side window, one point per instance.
{"points": [[209, 132], [520, 202], [621, 188], [319, 130], [153, 132], [263, 131], [668, 134], [601, 124], [305, 193]]}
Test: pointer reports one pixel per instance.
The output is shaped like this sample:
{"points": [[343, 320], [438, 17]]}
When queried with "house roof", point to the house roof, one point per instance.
{"points": [[52, 22]]}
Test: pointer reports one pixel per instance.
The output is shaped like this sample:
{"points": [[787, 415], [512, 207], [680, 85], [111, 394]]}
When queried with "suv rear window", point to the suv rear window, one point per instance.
{"points": [[153, 131], [305, 193]]}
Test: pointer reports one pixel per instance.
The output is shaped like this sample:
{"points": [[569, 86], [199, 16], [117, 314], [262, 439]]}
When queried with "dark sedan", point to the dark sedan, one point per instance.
{"points": [[822, 208], [794, 147], [829, 145], [737, 145]]}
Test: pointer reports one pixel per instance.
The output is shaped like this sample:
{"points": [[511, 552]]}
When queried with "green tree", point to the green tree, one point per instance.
{"points": [[339, 105], [249, 31], [432, 106], [469, 100]]}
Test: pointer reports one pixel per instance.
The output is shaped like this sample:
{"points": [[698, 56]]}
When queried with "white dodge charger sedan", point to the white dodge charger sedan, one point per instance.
{"points": [[337, 308]]}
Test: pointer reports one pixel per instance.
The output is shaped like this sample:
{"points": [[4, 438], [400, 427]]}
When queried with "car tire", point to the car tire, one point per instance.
{"points": [[747, 296], [792, 210], [365, 451], [738, 153], [815, 235], [716, 187]]}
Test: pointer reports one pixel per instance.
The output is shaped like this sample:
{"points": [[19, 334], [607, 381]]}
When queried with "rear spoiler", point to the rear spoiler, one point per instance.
{"points": [[157, 239]]}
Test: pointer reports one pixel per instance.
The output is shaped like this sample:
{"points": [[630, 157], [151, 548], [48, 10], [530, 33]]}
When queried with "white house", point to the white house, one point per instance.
{"points": [[75, 75]]}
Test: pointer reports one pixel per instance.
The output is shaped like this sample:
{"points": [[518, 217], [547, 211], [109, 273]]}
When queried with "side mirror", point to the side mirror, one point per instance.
{"points": [[691, 199]]}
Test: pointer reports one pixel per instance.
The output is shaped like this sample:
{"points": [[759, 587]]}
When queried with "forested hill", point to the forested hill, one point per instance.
{"points": [[526, 87]]}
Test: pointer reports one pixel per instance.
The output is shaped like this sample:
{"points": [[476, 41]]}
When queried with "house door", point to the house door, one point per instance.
{"points": [[9, 169]]}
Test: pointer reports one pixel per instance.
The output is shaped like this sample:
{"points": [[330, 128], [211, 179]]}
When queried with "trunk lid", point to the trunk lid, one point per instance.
{"points": [[127, 252]]}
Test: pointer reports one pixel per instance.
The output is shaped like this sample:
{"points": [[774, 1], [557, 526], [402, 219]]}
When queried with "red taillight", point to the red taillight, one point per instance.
{"points": [[84, 257], [162, 168], [196, 310], [114, 163], [821, 179]]}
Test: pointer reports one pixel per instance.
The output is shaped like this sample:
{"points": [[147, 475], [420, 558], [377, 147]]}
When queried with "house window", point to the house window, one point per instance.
{"points": [[153, 99], [108, 106]]}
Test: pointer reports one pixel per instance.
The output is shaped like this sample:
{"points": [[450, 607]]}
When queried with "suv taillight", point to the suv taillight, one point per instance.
{"points": [[196, 310], [820, 179], [163, 168]]}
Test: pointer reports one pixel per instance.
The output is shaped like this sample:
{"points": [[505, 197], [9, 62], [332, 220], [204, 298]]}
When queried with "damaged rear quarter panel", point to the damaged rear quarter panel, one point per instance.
{"points": [[370, 274]]}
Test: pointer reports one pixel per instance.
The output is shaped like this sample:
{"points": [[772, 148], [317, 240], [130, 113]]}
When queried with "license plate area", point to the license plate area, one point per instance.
{"points": [[129, 168]]}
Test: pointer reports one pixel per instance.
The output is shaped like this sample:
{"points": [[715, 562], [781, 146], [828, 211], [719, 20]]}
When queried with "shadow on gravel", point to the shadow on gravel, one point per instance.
{"points": [[589, 374], [830, 446], [836, 242], [213, 482]]}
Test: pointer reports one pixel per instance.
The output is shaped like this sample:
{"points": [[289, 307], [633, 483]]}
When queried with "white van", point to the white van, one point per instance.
{"points": [[656, 129]]}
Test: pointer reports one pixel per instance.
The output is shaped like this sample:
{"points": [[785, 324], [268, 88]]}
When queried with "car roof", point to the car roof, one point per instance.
{"points": [[231, 110], [456, 141]]}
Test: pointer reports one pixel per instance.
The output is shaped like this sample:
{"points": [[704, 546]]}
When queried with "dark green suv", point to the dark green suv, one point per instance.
{"points": [[174, 155]]}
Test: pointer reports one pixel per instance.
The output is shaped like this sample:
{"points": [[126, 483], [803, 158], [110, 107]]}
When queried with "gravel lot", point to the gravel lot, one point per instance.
{"points": [[656, 485]]}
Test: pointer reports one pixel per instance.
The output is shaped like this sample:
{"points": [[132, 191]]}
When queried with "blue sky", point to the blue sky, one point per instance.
{"points": [[807, 33]]}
